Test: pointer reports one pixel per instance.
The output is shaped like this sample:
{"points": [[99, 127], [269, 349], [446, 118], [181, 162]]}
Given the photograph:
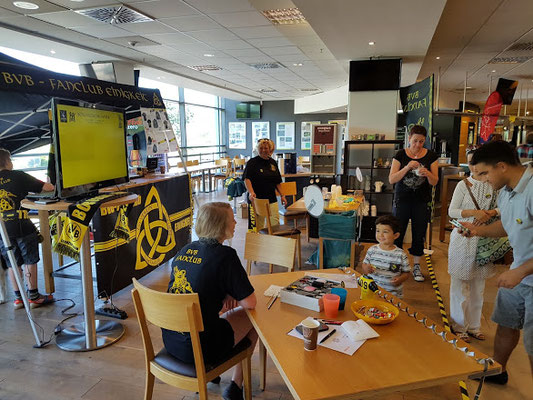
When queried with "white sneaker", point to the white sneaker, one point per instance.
{"points": [[417, 274]]}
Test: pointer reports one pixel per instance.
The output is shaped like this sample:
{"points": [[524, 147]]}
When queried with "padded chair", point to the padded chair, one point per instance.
{"points": [[289, 189], [181, 312], [225, 171], [238, 166], [269, 249], [262, 208]]}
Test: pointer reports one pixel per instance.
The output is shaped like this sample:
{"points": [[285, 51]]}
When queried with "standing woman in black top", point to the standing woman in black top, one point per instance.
{"points": [[262, 178], [414, 171]]}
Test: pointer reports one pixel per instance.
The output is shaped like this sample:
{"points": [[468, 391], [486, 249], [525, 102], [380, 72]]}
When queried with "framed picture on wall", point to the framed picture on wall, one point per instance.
{"points": [[284, 135], [260, 130], [237, 135], [305, 134]]}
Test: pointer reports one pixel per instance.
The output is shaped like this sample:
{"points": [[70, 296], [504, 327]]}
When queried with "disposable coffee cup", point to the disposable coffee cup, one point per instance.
{"points": [[310, 333], [162, 169], [417, 171]]}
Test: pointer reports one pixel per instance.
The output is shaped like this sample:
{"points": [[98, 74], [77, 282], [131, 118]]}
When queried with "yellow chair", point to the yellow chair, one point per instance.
{"points": [[269, 249], [262, 208], [289, 189], [181, 313], [238, 166], [225, 171]]}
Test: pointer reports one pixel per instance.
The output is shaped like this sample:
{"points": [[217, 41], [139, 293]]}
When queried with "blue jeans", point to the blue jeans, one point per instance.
{"points": [[410, 208]]}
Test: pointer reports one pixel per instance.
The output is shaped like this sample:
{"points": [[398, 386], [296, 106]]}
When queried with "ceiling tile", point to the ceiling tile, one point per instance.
{"points": [[5, 13], [44, 7], [292, 58], [105, 31], [190, 23], [147, 28], [270, 42], [244, 52], [284, 50], [67, 19], [33, 25], [172, 38], [138, 41], [257, 32], [163, 8], [240, 19], [256, 59], [79, 5], [213, 35], [217, 6], [230, 45]]}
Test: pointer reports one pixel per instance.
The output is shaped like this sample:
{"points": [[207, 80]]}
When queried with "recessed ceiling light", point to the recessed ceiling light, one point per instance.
{"points": [[527, 112], [493, 71], [25, 5], [371, 43], [437, 58], [208, 55], [53, 51], [298, 64]]}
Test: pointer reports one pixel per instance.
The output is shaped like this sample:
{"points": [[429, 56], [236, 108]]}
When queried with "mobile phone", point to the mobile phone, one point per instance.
{"points": [[457, 224]]}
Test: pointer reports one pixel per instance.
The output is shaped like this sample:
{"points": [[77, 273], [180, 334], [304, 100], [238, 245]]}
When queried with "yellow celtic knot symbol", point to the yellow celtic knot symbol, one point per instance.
{"points": [[6, 203], [181, 284], [155, 237]]}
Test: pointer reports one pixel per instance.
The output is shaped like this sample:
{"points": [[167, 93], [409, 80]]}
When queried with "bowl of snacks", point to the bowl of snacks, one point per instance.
{"points": [[375, 311]]}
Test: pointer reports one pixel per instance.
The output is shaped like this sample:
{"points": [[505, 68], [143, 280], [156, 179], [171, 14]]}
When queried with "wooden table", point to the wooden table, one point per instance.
{"points": [[444, 195], [203, 168], [91, 334], [406, 356]]}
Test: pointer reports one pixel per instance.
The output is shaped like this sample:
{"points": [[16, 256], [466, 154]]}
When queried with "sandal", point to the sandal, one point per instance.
{"points": [[477, 335], [463, 336]]}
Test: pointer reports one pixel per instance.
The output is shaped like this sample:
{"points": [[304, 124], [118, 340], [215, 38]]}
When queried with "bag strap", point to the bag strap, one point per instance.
{"points": [[468, 184]]}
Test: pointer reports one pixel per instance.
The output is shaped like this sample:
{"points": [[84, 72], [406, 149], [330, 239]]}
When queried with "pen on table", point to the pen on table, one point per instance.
{"points": [[272, 302], [327, 336]]}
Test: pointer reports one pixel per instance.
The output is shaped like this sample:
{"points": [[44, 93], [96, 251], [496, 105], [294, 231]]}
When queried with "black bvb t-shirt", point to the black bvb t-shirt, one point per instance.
{"points": [[264, 175], [213, 271], [412, 184], [14, 186]]}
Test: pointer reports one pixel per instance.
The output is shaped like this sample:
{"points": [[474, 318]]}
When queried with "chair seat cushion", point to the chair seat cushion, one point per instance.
{"points": [[171, 363], [281, 230]]}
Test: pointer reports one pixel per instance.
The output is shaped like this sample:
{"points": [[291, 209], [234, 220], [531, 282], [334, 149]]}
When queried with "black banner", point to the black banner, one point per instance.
{"points": [[160, 223], [417, 104], [34, 80]]}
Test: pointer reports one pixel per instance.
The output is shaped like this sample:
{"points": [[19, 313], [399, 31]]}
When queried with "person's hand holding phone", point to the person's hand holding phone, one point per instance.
{"points": [[470, 230]]}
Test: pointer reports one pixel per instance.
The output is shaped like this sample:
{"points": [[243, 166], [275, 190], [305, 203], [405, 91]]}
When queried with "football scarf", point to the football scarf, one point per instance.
{"points": [[122, 229], [76, 223]]}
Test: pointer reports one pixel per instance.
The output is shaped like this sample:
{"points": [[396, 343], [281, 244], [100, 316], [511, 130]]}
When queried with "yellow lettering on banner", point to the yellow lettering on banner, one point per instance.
{"points": [[185, 222], [18, 78], [84, 206], [79, 214], [7, 78], [138, 201]]}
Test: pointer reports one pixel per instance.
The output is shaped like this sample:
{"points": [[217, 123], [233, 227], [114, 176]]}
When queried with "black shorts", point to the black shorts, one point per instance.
{"points": [[26, 249]]}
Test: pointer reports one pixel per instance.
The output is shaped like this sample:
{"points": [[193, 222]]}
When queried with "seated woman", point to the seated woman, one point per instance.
{"points": [[214, 271]]}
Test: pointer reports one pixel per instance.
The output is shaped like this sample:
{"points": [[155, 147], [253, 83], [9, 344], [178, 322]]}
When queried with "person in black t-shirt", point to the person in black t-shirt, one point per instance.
{"points": [[14, 186], [414, 171], [262, 179], [215, 272]]}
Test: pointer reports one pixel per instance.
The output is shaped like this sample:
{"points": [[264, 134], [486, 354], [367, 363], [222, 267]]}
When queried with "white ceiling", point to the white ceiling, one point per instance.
{"points": [[466, 35]]}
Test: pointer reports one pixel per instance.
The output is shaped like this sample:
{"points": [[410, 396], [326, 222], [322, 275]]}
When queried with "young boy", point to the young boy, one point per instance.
{"points": [[384, 262], [14, 186]]}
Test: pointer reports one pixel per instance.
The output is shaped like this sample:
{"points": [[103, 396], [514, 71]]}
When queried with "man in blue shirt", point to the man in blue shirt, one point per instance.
{"points": [[497, 163]]}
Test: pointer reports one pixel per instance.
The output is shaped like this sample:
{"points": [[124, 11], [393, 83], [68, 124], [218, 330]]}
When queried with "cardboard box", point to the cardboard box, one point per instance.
{"points": [[242, 211]]}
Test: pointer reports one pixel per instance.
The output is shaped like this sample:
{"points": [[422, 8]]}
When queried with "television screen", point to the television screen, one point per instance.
{"points": [[372, 75], [248, 111], [90, 147]]}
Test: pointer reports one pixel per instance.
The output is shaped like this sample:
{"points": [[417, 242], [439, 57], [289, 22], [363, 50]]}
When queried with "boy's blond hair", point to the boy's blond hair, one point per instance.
{"points": [[212, 220]]}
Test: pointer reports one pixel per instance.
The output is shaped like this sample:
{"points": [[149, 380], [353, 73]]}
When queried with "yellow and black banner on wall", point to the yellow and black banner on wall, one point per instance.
{"points": [[160, 225], [417, 104]]}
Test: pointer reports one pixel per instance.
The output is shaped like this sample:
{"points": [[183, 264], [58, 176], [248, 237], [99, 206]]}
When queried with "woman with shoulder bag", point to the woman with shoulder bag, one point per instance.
{"points": [[472, 201]]}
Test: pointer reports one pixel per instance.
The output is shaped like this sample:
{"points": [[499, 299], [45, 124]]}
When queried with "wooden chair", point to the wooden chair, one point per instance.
{"points": [[238, 166], [289, 189], [269, 249], [262, 208], [225, 171], [196, 178], [181, 312]]}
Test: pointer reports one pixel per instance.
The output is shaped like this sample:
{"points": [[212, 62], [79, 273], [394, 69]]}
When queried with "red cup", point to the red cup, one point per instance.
{"points": [[331, 305]]}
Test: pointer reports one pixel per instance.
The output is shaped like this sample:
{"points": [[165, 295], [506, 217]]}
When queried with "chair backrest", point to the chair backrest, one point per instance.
{"points": [[262, 208], [190, 163], [269, 249], [289, 189], [239, 162], [180, 164], [195, 162]]}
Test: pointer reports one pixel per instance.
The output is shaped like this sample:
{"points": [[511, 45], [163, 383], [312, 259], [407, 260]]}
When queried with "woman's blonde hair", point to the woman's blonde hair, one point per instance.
{"points": [[212, 220], [271, 144]]}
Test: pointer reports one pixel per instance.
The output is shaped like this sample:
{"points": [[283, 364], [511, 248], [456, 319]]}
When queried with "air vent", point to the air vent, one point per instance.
{"points": [[521, 47], [203, 68], [115, 15], [509, 60], [268, 90], [284, 16], [262, 66]]}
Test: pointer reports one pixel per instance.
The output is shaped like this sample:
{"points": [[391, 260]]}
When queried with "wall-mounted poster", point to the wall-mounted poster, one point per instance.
{"points": [[157, 130], [305, 135], [284, 135], [260, 130], [237, 135]]}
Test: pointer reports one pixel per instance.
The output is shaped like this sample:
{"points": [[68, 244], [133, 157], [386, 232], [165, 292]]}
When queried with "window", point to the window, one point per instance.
{"points": [[200, 98], [173, 112], [34, 162], [168, 92], [202, 125]]}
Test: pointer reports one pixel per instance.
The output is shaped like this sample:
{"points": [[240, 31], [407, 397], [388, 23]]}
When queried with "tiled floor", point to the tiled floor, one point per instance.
{"points": [[117, 372]]}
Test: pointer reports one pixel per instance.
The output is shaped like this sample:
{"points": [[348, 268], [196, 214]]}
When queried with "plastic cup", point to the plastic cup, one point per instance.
{"points": [[342, 293], [331, 305], [310, 333]]}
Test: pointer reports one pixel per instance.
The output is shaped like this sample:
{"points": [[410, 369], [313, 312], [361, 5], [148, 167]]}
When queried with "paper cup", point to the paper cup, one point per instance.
{"points": [[310, 333]]}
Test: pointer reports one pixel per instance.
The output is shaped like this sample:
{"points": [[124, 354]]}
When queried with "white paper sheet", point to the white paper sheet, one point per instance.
{"points": [[273, 290], [339, 341], [358, 330]]}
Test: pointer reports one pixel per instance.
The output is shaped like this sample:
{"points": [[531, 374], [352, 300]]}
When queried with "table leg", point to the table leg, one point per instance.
{"points": [[210, 180], [262, 365], [48, 265], [91, 334], [203, 181]]}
